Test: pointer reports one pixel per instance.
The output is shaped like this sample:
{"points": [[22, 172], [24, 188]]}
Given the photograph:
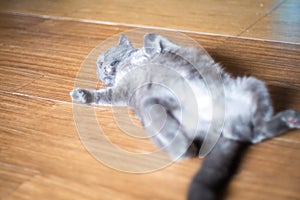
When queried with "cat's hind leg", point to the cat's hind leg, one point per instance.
{"points": [[217, 169], [280, 123], [263, 124], [250, 115]]}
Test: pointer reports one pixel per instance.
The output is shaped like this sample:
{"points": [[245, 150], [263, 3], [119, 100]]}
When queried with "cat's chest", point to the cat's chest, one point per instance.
{"points": [[138, 59], [132, 66]]}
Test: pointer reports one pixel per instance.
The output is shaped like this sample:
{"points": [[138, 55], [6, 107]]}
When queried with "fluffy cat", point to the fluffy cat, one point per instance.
{"points": [[167, 86]]}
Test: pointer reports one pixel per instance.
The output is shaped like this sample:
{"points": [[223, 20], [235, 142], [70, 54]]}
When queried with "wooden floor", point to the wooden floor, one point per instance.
{"points": [[42, 46]]}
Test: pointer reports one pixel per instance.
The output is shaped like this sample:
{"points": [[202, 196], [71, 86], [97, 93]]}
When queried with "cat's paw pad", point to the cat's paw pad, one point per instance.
{"points": [[292, 119], [81, 96]]}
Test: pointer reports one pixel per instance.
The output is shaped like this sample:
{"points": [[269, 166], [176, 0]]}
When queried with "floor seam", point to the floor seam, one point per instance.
{"points": [[261, 18], [21, 184], [16, 167], [35, 97]]}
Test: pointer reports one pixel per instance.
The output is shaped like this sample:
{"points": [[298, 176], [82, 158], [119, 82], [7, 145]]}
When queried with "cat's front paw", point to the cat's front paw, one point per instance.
{"points": [[82, 96], [291, 118]]}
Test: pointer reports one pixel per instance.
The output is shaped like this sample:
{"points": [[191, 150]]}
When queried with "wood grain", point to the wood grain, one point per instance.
{"points": [[12, 177], [41, 151]]}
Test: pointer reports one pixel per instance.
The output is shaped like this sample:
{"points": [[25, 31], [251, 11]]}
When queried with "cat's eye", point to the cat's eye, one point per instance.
{"points": [[100, 64], [114, 63]]}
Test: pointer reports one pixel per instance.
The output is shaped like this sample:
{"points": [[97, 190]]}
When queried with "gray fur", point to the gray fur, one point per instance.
{"points": [[180, 120]]}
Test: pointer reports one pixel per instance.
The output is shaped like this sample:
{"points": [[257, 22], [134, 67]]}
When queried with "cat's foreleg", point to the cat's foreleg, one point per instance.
{"points": [[280, 123], [98, 97]]}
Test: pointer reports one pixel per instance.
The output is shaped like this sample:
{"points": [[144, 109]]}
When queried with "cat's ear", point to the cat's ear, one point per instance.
{"points": [[154, 43], [124, 40]]}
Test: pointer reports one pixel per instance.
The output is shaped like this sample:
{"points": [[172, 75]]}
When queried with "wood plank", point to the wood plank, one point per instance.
{"points": [[201, 16], [282, 24]]}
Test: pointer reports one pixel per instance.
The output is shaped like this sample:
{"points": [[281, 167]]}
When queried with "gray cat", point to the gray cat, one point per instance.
{"points": [[168, 87]]}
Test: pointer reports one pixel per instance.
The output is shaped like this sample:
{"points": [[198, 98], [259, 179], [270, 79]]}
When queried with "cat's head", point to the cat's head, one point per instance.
{"points": [[108, 62]]}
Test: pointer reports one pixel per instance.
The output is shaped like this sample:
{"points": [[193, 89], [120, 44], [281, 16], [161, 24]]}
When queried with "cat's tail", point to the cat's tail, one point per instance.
{"points": [[217, 169]]}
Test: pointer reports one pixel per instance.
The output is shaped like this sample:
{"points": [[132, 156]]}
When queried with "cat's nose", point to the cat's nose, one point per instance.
{"points": [[106, 70], [109, 70]]}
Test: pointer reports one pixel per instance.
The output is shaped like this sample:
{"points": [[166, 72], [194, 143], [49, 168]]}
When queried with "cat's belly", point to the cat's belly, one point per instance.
{"points": [[197, 109], [245, 96]]}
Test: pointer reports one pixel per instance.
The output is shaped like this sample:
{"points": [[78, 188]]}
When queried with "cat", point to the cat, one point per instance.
{"points": [[167, 87]]}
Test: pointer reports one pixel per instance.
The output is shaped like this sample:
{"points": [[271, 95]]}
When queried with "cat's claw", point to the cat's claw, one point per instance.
{"points": [[292, 119], [81, 96]]}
